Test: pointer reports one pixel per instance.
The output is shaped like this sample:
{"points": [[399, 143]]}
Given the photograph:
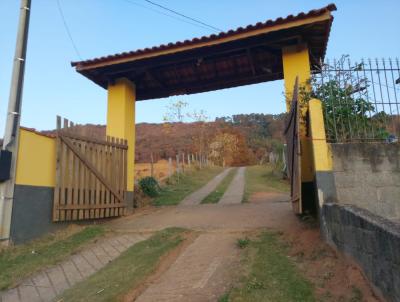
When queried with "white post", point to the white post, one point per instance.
{"points": [[169, 167], [152, 166], [178, 170], [183, 162]]}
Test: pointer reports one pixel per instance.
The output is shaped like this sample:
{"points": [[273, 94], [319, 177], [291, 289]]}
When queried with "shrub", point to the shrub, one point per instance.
{"points": [[149, 186], [243, 242]]}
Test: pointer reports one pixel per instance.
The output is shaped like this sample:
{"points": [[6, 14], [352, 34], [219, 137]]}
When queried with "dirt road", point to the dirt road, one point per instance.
{"points": [[197, 196], [209, 266], [235, 191]]}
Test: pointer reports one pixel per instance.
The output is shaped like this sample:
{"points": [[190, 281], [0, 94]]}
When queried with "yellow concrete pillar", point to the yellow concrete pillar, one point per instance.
{"points": [[121, 120], [296, 63], [324, 180], [321, 152]]}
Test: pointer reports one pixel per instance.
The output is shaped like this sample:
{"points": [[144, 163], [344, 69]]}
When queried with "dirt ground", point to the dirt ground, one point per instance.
{"points": [[335, 277], [200, 273]]}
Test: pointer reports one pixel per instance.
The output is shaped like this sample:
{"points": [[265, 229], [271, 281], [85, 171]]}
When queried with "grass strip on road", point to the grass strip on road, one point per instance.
{"points": [[272, 276], [262, 179], [216, 195], [21, 261], [179, 187], [127, 271]]}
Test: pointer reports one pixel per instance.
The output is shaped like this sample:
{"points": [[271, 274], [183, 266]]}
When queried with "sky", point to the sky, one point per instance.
{"points": [[361, 29]]}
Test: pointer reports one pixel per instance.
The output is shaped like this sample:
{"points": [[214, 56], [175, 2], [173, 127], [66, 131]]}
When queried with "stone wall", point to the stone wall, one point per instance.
{"points": [[372, 241], [368, 175]]}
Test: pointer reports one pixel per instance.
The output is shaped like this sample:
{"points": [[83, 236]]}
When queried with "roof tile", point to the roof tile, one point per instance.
{"points": [[280, 20]]}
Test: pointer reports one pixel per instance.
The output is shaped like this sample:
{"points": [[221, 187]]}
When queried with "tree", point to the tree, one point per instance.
{"points": [[175, 112]]}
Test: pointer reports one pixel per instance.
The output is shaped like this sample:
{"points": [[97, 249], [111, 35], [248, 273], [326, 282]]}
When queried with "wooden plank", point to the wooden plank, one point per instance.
{"points": [[87, 179], [116, 171], [75, 170], [125, 174], [112, 173], [99, 185], [91, 140], [107, 175], [63, 177], [81, 182], [57, 189], [69, 200], [121, 176], [103, 171], [91, 206], [89, 159], [97, 182]]}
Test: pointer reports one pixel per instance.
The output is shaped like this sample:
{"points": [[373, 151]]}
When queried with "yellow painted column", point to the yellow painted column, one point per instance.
{"points": [[321, 152], [322, 156], [296, 63], [121, 120]]}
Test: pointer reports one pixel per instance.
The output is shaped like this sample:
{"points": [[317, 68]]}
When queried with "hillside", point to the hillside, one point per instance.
{"points": [[235, 140]]}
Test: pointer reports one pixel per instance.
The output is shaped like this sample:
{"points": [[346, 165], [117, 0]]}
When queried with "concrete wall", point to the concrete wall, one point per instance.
{"points": [[372, 241], [32, 213], [35, 181], [368, 175], [358, 192]]}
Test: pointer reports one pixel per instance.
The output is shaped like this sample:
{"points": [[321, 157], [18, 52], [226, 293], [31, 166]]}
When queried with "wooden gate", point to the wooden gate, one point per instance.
{"points": [[294, 151], [91, 175]]}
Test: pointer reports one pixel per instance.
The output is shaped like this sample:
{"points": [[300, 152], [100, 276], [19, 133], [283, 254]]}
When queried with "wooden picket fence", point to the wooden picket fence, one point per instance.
{"points": [[91, 175]]}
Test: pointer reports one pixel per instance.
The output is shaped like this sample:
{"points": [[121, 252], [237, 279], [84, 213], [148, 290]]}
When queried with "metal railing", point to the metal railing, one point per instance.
{"points": [[361, 100]]}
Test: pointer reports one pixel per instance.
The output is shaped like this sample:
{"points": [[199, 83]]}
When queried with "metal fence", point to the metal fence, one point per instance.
{"points": [[360, 99]]}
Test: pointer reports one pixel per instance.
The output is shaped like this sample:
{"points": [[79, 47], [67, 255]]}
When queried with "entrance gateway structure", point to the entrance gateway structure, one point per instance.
{"points": [[64, 176], [285, 48]]}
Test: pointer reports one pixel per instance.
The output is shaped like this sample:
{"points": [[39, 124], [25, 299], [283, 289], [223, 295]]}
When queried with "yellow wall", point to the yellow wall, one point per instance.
{"points": [[321, 152], [296, 63], [121, 119], [36, 163]]}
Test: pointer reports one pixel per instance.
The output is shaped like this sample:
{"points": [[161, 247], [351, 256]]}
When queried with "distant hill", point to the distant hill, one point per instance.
{"points": [[252, 134]]}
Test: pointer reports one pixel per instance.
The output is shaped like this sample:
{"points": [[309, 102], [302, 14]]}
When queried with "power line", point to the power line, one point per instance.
{"points": [[167, 15], [67, 29], [164, 14], [184, 16]]}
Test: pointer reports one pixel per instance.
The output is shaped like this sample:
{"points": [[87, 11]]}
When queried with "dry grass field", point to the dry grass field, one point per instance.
{"points": [[160, 169]]}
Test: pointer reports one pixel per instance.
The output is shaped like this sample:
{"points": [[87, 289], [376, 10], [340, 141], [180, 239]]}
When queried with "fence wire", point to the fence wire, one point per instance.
{"points": [[360, 99]]}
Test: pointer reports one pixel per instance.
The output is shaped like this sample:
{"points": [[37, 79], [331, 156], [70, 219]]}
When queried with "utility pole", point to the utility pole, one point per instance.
{"points": [[10, 142]]}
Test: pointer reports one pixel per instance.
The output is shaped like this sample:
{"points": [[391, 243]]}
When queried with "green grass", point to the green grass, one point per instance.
{"points": [[242, 242], [216, 195], [262, 179], [21, 261], [224, 298], [177, 189], [123, 274], [272, 276]]}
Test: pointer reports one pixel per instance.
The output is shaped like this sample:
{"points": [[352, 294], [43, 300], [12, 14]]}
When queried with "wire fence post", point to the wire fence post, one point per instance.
{"points": [[151, 165], [170, 167], [183, 162]]}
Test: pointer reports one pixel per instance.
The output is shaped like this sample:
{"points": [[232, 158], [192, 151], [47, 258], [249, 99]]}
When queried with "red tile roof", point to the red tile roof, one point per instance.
{"points": [[259, 25]]}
